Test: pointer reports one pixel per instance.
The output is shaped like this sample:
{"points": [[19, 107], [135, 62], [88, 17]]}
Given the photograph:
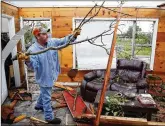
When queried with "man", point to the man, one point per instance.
{"points": [[46, 67]]}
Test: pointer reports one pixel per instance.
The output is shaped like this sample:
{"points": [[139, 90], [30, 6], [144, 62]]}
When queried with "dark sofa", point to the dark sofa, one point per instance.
{"points": [[129, 75]]}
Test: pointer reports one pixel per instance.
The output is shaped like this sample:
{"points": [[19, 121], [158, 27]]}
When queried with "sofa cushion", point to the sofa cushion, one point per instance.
{"points": [[95, 85], [130, 64], [141, 84], [124, 87], [129, 76]]}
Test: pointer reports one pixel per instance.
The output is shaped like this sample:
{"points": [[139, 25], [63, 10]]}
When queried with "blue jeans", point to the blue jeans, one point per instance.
{"points": [[44, 101]]}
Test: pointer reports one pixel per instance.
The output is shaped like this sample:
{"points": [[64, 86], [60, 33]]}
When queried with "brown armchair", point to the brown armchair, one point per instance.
{"points": [[129, 75]]}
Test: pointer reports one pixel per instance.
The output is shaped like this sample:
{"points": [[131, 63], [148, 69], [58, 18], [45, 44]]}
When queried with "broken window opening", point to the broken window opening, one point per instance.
{"points": [[134, 41]]}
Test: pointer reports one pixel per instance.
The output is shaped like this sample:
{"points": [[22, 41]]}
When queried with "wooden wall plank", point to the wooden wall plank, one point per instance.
{"points": [[47, 14], [33, 9], [160, 55], [60, 34], [27, 14], [62, 23], [161, 27], [162, 13], [5, 5], [159, 65], [67, 58], [160, 46], [161, 36]]}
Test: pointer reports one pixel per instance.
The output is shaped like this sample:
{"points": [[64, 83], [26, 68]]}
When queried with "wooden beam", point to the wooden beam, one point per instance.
{"points": [[117, 120], [63, 87], [150, 123], [122, 120], [107, 74]]}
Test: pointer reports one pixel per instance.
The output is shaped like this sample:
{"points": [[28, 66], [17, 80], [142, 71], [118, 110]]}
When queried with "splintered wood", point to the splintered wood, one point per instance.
{"points": [[58, 97], [63, 87], [20, 94]]}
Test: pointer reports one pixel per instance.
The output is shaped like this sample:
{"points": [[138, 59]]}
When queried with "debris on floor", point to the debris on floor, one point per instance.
{"points": [[21, 110], [63, 87], [7, 113], [20, 94]]}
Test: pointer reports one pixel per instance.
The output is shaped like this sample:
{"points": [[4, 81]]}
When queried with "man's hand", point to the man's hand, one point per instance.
{"points": [[76, 32], [23, 56]]}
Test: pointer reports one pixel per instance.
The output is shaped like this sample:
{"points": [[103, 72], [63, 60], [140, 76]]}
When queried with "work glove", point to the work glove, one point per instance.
{"points": [[23, 56], [76, 32]]}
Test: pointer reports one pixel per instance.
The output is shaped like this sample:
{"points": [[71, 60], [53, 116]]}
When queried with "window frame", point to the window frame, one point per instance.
{"points": [[155, 20]]}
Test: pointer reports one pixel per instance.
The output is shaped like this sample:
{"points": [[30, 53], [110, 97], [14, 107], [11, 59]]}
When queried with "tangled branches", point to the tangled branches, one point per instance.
{"points": [[91, 40]]}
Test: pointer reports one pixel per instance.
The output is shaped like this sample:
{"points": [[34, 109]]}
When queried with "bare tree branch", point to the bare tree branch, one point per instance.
{"points": [[102, 46], [91, 40], [83, 21], [65, 45], [122, 14]]}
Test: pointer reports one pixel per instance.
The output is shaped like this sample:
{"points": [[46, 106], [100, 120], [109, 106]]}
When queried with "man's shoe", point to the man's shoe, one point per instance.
{"points": [[54, 121], [38, 108]]}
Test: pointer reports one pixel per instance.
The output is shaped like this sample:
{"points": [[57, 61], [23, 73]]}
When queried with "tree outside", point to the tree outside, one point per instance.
{"points": [[143, 42]]}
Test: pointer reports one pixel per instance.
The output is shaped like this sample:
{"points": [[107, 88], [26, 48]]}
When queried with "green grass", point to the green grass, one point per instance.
{"points": [[127, 47], [143, 51]]}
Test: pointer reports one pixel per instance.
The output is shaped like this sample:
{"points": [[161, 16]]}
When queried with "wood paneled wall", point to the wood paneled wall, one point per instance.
{"points": [[62, 25], [159, 62], [13, 11]]}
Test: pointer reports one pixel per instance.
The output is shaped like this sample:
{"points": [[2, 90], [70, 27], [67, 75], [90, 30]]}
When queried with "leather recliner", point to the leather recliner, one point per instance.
{"points": [[129, 75]]}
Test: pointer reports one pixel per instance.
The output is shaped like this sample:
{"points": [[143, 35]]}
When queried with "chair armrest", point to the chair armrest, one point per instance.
{"points": [[142, 83], [90, 76], [83, 88], [93, 75], [97, 74]]}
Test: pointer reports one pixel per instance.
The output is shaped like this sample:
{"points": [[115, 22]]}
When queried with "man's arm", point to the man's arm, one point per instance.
{"points": [[62, 41]]}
